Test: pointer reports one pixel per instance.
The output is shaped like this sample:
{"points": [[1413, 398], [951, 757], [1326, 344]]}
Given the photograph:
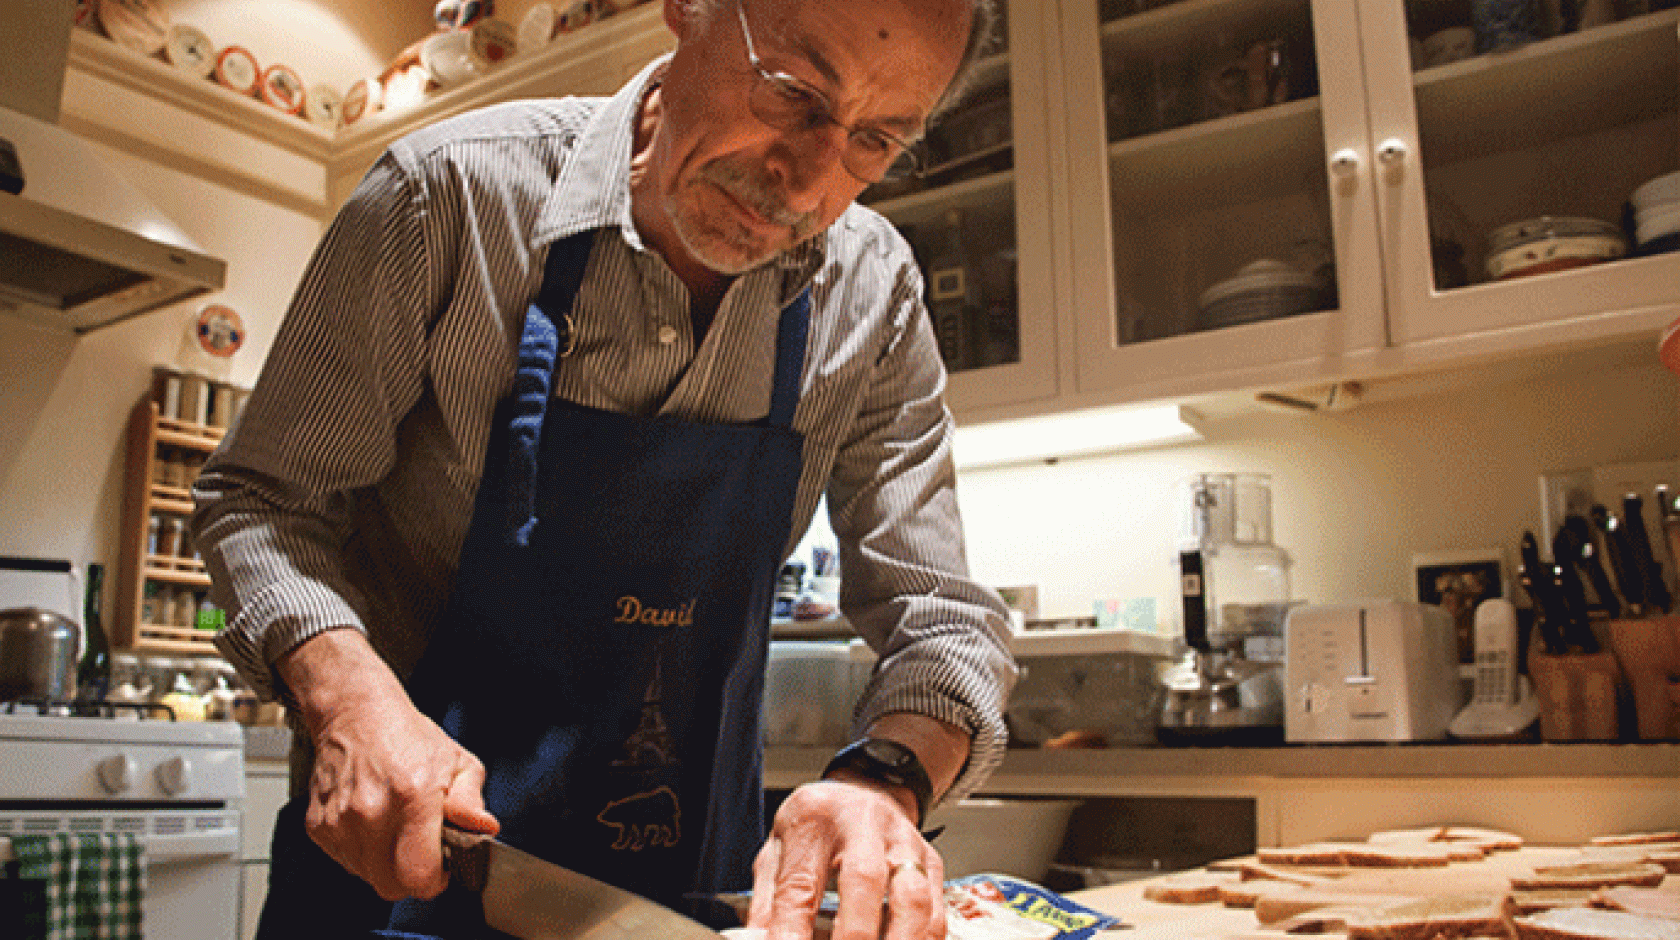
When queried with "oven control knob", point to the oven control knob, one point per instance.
{"points": [[175, 775], [116, 773]]}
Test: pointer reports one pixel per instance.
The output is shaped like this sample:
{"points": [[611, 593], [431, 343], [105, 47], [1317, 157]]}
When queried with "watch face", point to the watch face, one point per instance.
{"points": [[886, 752]]}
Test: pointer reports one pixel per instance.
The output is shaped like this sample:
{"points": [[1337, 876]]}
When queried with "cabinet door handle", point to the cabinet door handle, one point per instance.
{"points": [[1344, 163], [1391, 153]]}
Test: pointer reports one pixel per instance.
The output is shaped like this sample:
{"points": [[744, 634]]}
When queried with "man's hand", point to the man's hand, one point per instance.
{"points": [[386, 776], [862, 834]]}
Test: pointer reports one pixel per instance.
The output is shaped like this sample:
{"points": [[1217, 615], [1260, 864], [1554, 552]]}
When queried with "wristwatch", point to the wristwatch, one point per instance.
{"points": [[889, 762]]}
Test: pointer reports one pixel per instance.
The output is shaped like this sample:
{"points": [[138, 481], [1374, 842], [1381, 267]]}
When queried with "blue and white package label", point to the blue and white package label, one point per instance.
{"points": [[997, 907]]}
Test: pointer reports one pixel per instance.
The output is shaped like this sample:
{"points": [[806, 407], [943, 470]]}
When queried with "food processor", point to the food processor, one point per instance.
{"points": [[1228, 688]]}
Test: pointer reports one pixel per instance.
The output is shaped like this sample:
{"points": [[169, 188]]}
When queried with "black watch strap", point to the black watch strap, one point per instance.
{"points": [[888, 762]]}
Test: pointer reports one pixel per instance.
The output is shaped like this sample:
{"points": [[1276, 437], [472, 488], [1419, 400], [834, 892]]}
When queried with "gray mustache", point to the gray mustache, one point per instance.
{"points": [[758, 196]]}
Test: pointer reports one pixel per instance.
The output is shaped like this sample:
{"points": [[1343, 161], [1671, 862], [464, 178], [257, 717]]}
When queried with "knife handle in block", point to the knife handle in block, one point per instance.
{"points": [[467, 856]]}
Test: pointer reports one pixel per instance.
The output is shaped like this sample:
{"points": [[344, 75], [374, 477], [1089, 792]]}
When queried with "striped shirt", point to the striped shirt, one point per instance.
{"points": [[342, 497]]}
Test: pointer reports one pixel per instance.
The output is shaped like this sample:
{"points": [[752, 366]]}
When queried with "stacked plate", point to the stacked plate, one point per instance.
{"points": [[1263, 290], [1551, 243], [1656, 214]]}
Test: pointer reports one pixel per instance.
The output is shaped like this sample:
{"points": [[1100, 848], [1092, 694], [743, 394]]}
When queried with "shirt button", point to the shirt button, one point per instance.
{"points": [[667, 334]]}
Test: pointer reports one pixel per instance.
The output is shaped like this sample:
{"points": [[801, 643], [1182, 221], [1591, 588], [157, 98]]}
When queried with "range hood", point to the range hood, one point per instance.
{"points": [[80, 247]]}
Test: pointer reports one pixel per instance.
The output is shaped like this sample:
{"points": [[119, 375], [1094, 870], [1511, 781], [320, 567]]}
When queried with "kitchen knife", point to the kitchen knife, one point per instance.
{"points": [[1578, 636], [1669, 510], [538, 900], [1534, 577], [1578, 534], [1633, 518], [1615, 545]]}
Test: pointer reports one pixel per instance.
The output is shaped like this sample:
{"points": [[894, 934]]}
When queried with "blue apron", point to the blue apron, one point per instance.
{"points": [[603, 651]]}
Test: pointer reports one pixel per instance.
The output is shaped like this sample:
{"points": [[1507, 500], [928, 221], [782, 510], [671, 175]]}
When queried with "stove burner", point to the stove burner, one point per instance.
{"points": [[54, 708]]}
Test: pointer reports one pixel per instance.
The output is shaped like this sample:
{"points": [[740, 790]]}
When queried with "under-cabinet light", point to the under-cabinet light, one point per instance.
{"points": [[1078, 433]]}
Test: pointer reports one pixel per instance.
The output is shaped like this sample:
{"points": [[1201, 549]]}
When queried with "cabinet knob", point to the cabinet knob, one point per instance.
{"points": [[1344, 163], [1391, 152], [116, 773]]}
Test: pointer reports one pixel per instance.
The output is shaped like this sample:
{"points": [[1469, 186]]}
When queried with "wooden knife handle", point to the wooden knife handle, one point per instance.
{"points": [[467, 857]]}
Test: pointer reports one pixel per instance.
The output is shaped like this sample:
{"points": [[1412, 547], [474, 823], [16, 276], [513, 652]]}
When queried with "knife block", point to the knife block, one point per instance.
{"points": [[1649, 654], [1579, 696]]}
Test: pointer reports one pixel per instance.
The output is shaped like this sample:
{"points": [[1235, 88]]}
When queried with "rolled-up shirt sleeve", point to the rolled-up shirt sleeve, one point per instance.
{"points": [[274, 507], [941, 637]]}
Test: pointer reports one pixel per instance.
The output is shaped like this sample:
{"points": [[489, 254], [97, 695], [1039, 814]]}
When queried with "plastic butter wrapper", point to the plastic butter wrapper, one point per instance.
{"points": [[996, 907], [980, 907]]}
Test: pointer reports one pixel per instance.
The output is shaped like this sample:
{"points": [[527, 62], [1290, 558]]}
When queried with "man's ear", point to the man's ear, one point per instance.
{"points": [[684, 17]]}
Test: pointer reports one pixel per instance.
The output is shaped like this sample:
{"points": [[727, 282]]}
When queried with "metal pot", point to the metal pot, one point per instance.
{"points": [[39, 651]]}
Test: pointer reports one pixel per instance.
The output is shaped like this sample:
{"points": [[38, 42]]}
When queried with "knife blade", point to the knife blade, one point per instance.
{"points": [[1532, 574], [1577, 531], [535, 899], [1669, 509], [1578, 636], [1633, 517]]}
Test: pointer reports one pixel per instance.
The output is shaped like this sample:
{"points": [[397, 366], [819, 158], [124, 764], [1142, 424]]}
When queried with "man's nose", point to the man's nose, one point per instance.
{"points": [[810, 160]]}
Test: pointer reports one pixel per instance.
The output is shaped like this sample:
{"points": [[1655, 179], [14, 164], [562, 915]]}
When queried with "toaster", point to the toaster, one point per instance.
{"points": [[1381, 670]]}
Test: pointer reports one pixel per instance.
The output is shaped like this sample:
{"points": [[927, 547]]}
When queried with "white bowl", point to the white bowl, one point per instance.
{"points": [[1663, 189], [1001, 837]]}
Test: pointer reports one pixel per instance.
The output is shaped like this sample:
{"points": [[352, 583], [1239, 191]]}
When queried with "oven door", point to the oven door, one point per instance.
{"points": [[192, 863]]}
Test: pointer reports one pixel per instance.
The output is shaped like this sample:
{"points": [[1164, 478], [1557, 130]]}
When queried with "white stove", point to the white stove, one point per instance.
{"points": [[178, 786]]}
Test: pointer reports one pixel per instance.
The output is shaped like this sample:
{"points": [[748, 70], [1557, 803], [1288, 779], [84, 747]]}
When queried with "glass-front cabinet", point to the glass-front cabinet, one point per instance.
{"points": [[978, 217], [1218, 216], [1528, 151]]}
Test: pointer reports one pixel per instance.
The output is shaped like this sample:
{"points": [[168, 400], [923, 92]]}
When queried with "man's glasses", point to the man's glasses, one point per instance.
{"points": [[789, 104]]}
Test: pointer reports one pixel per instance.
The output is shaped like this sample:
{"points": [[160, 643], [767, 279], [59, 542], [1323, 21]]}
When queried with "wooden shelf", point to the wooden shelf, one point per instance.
{"points": [[1187, 24], [930, 204], [162, 638], [192, 436]]}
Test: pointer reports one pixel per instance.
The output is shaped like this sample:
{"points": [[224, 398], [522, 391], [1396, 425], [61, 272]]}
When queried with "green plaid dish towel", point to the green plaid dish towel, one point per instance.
{"points": [[94, 883]]}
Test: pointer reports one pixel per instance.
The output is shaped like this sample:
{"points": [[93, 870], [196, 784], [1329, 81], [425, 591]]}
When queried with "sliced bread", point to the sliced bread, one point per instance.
{"points": [[1586, 923], [1652, 902], [1443, 917], [1592, 875], [1637, 838]]}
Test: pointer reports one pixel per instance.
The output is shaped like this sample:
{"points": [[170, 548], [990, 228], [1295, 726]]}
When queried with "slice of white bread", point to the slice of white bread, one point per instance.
{"points": [[1327, 854], [1295, 875], [1274, 907], [1637, 838], [1586, 923], [1443, 917], [1652, 902], [1669, 859], [1535, 900], [1592, 875], [1190, 888]]}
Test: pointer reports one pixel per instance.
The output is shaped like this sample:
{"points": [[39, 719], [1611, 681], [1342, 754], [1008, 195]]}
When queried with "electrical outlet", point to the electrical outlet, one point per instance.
{"points": [[1565, 492]]}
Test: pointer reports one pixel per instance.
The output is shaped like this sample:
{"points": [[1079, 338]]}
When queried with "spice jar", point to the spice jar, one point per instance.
{"points": [[169, 538]]}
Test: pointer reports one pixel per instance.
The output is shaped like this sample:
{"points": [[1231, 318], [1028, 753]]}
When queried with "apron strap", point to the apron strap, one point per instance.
{"points": [[791, 334], [533, 380]]}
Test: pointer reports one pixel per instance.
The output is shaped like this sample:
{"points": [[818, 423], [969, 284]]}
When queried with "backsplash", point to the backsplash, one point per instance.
{"points": [[1355, 493]]}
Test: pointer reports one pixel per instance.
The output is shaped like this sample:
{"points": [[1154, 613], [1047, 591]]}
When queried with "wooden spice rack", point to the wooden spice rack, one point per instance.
{"points": [[139, 569]]}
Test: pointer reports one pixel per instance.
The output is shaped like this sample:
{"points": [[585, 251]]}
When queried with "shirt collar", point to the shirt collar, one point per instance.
{"points": [[593, 189]]}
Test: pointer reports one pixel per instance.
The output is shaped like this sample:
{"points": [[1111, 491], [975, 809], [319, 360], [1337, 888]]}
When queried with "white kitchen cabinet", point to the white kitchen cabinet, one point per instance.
{"points": [[1565, 126], [1360, 167], [979, 219], [1173, 188]]}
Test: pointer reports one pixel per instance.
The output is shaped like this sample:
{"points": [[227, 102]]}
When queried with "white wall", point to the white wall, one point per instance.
{"points": [[65, 400], [1355, 493]]}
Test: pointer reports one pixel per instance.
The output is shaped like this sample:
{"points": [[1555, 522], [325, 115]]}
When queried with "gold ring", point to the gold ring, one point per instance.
{"points": [[898, 867]]}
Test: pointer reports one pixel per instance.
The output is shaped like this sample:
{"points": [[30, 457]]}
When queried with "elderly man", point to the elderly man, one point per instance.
{"points": [[559, 390]]}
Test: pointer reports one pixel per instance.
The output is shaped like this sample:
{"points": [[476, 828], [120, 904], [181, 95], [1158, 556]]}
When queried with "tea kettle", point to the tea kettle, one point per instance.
{"points": [[39, 651]]}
